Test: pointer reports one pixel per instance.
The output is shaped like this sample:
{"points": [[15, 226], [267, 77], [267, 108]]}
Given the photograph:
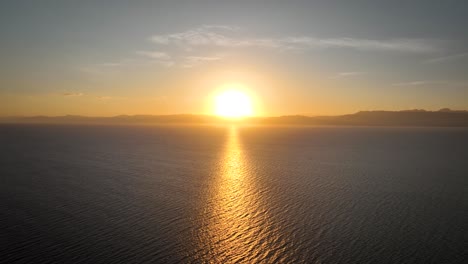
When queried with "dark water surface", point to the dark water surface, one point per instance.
{"points": [[181, 194]]}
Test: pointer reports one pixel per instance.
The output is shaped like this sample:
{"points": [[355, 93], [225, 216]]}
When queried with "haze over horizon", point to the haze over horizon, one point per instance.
{"points": [[172, 57], [442, 110]]}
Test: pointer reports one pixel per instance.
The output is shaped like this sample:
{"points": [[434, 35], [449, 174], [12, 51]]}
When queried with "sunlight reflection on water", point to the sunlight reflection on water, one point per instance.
{"points": [[236, 228]]}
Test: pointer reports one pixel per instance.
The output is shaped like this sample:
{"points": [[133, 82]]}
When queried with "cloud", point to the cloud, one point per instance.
{"points": [[413, 83], [347, 74], [192, 61], [401, 45], [198, 37], [155, 54], [225, 36], [158, 57], [178, 49], [223, 27], [110, 64], [448, 58], [204, 35], [104, 97], [423, 83], [103, 68], [165, 59], [72, 94]]}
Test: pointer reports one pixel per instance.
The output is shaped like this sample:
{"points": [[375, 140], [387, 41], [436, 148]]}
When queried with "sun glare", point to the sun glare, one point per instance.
{"points": [[233, 104]]}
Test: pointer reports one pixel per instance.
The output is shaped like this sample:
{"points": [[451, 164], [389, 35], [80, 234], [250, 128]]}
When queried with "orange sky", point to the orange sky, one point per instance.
{"points": [[155, 58]]}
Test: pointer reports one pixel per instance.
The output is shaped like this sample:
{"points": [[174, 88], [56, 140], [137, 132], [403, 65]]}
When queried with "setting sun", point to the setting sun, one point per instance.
{"points": [[233, 103]]}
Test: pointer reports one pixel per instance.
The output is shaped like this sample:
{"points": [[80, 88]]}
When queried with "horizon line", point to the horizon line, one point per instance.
{"points": [[446, 110]]}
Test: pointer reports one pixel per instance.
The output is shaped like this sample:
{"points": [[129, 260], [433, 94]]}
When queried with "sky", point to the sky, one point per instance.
{"points": [[105, 58]]}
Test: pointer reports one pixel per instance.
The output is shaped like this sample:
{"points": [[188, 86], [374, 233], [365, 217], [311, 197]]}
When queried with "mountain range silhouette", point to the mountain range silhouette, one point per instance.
{"points": [[416, 117]]}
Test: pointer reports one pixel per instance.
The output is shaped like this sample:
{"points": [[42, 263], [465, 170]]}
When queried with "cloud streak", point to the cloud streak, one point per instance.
{"points": [[161, 58], [412, 83], [155, 54], [401, 45], [103, 68], [224, 36], [72, 94], [448, 58], [192, 47], [426, 83], [104, 97], [347, 74], [181, 61], [192, 61]]}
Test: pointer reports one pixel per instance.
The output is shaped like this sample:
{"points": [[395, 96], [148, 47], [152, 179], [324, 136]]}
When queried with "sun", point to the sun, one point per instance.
{"points": [[233, 104]]}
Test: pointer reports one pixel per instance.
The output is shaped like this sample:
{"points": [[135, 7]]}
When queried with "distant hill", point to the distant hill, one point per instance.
{"points": [[121, 119], [417, 117]]}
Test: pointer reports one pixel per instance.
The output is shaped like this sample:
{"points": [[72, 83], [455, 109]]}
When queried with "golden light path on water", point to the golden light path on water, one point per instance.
{"points": [[237, 228]]}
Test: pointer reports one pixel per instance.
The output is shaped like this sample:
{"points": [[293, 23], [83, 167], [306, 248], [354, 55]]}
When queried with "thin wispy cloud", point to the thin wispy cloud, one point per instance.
{"points": [[224, 36], [401, 45], [108, 98], [103, 68], [104, 97], [188, 48], [182, 61], [448, 58], [444, 83], [223, 27], [348, 74], [192, 61], [412, 83], [71, 94], [110, 64], [161, 58], [155, 54]]}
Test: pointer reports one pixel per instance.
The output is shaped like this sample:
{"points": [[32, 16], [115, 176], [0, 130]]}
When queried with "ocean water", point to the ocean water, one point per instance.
{"points": [[232, 194]]}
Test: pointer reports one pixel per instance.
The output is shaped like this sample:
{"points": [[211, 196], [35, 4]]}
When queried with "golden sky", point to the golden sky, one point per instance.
{"points": [[312, 58]]}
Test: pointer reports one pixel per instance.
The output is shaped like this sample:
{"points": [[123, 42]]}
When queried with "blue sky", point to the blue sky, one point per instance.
{"points": [[159, 57]]}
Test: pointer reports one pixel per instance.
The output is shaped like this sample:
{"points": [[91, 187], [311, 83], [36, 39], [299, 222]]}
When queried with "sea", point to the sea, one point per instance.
{"points": [[233, 194]]}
